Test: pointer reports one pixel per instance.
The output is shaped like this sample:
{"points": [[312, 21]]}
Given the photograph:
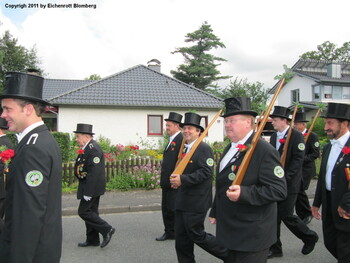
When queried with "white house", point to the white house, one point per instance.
{"points": [[315, 82], [130, 106]]}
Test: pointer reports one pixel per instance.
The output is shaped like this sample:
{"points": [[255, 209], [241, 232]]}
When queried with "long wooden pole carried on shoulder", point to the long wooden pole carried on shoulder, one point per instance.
{"points": [[312, 125], [180, 168], [247, 157], [289, 135]]}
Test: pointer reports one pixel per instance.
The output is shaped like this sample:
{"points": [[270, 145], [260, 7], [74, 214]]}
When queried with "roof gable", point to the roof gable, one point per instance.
{"points": [[138, 86]]}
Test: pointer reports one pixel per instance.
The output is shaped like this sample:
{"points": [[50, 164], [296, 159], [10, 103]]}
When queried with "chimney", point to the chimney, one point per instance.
{"points": [[334, 70], [154, 64]]}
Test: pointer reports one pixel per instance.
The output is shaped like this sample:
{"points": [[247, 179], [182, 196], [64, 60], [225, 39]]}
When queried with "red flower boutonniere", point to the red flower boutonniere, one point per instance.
{"points": [[305, 134], [282, 141], [241, 147], [345, 150], [173, 144], [6, 155], [80, 151]]}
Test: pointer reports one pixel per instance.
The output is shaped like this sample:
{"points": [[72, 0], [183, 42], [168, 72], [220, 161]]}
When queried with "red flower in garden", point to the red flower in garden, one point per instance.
{"points": [[282, 141], [241, 147], [80, 151], [7, 155], [346, 150]]}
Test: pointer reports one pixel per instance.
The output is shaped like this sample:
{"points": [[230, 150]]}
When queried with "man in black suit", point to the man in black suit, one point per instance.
{"points": [[170, 157], [90, 170], [246, 215], [194, 196], [33, 213], [333, 187], [7, 144], [312, 152], [292, 168]]}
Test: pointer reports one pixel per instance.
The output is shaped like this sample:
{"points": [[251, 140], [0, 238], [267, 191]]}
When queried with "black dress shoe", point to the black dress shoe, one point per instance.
{"points": [[275, 254], [164, 237], [107, 237], [309, 246], [307, 219], [88, 244]]}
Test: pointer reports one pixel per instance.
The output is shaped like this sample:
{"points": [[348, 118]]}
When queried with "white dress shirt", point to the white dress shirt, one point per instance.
{"points": [[337, 146], [280, 135], [232, 151], [171, 138]]}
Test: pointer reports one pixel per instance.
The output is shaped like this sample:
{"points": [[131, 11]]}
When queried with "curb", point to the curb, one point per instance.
{"points": [[115, 210]]}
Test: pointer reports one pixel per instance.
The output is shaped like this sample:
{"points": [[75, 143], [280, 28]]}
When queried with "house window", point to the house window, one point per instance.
{"points": [[346, 93], [295, 95], [154, 125], [204, 122], [317, 92], [336, 92], [327, 92]]}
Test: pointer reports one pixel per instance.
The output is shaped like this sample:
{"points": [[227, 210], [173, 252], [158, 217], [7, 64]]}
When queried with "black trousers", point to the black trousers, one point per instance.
{"points": [[285, 210], [302, 204], [2, 212], [168, 210], [337, 242], [189, 230], [88, 211], [247, 257]]}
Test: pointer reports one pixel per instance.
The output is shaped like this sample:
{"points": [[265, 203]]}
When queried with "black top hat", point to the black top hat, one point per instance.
{"points": [[281, 112], [175, 117], [3, 124], [338, 111], [238, 105], [192, 119], [300, 116], [84, 128], [25, 86]]}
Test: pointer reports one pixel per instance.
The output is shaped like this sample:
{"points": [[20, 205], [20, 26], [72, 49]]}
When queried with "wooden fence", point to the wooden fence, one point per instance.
{"points": [[115, 168]]}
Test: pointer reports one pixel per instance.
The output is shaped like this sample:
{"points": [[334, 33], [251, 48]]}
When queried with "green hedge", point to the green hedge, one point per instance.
{"points": [[64, 143]]}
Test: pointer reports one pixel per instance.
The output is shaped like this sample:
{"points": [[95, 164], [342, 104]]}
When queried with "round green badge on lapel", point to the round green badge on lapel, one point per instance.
{"points": [[278, 171], [34, 178], [231, 176], [96, 160], [210, 162], [317, 144], [301, 146]]}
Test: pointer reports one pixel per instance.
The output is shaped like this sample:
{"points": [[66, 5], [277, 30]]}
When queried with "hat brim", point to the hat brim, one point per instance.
{"points": [[280, 116], [246, 112], [191, 124], [9, 96], [82, 132], [335, 117], [172, 120]]}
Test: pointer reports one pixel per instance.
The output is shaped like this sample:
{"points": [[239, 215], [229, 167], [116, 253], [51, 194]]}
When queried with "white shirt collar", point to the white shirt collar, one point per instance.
{"points": [[342, 140], [173, 136], [83, 148], [281, 134], [22, 134], [189, 146]]}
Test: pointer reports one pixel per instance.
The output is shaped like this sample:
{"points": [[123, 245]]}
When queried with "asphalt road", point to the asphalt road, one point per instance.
{"points": [[134, 242]]}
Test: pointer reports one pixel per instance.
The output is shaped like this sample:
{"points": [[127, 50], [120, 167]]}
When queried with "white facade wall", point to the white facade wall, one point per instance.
{"points": [[126, 126], [305, 91]]}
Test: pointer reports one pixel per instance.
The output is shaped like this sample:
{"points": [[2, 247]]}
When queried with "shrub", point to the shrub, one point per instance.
{"points": [[63, 141]]}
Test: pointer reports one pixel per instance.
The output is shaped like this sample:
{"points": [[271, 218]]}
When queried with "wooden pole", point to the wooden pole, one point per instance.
{"points": [[247, 157], [312, 125], [286, 144], [179, 156], [184, 161]]}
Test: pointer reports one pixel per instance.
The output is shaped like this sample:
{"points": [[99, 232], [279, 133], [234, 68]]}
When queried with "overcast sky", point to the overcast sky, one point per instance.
{"points": [[260, 36]]}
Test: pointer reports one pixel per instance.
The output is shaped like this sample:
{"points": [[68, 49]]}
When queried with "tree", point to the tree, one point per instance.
{"points": [[200, 68], [94, 77], [242, 88], [14, 57], [287, 75], [328, 51]]}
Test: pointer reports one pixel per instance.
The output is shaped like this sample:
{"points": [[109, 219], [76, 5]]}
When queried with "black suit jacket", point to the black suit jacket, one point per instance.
{"points": [[169, 161], [33, 221], [4, 141], [250, 224], [92, 164], [294, 159], [340, 191], [195, 192], [312, 152]]}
